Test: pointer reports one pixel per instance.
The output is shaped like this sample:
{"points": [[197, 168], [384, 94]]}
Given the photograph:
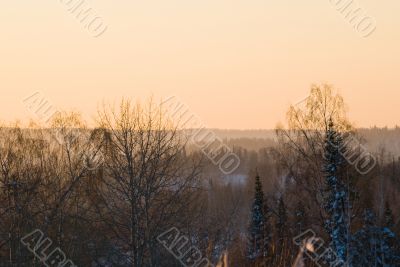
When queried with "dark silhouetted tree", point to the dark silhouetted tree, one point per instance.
{"points": [[336, 198], [259, 233]]}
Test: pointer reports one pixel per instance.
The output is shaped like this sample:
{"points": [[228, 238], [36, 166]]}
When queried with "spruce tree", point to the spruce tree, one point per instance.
{"points": [[389, 220], [281, 224], [259, 236], [390, 238], [281, 234], [336, 197], [374, 245]]}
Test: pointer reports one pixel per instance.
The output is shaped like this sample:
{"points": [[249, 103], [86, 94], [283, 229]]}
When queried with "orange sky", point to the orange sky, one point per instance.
{"points": [[236, 64]]}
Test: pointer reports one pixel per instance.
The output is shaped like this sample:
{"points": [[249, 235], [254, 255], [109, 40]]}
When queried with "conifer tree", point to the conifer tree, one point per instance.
{"points": [[281, 224], [374, 245], [259, 236], [281, 234], [389, 220], [390, 239], [336, 198]]}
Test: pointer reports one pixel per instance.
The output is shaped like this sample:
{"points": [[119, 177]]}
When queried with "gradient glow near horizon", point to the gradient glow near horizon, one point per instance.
{"points": [[235, 64]]}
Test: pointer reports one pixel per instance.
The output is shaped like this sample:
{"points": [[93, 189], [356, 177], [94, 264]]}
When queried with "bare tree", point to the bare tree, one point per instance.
{"points": [[148, 183]]}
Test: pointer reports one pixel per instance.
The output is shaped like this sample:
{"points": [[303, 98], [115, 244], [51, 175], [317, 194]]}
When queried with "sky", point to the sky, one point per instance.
{"points": [[236, 64]]}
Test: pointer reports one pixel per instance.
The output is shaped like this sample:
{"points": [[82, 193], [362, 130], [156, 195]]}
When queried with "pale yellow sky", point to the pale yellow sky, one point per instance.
{"points": [[236, 64]]}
